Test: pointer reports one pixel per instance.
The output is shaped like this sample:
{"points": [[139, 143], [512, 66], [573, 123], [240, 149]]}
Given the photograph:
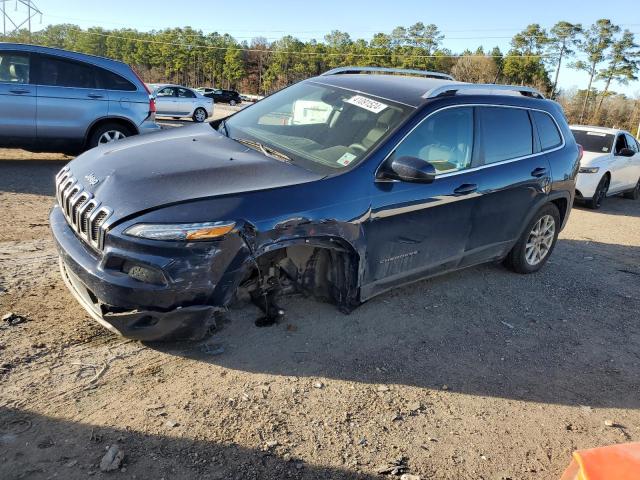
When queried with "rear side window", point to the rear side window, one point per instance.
{"points": [[58, 72], [166, 92], [505, 132], [547, 131], [14, 67], [184, 93], [445, 139], [113, 81]]}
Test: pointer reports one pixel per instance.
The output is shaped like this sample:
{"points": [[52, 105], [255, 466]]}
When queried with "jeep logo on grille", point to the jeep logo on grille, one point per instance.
{"points": [[92, 179]]}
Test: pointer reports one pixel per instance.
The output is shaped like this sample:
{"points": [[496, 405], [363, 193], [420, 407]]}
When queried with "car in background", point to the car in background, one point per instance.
{"points": [[377, 181], [250, 98], [177, 102], [61, 101], [610, 164], [222, 96]]}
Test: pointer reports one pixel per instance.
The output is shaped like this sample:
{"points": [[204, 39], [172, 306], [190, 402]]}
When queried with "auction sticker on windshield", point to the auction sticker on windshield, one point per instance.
{"points": [[366, 103], [346, 159]]}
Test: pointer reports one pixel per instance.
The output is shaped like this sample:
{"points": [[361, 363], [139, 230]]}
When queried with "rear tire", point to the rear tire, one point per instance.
{"points": [[233, 103], [537, 241], [633, 194], [107, 133], [200, 115], [600, 194]]}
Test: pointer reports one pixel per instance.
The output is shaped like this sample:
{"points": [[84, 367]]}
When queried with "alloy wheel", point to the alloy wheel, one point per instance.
{"points": [[200, 115], [540, 240], [110, 136]]}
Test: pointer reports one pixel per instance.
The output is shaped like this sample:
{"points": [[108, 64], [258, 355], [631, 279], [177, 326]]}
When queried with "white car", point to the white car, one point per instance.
{"points": [[610, 164], [178, 102]]}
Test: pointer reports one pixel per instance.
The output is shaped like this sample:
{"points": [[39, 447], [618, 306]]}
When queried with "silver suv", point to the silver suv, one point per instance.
{"points": [[61, 101]]}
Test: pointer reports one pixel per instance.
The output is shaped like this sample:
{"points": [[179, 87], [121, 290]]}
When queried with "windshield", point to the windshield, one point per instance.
{"points": [[599, 142], [317, 125]]}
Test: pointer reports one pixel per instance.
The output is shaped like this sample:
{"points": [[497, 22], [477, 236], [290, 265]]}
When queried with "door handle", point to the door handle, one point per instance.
{"points": [[539, 172], [466, 189], [19, 91], [95, 95]]}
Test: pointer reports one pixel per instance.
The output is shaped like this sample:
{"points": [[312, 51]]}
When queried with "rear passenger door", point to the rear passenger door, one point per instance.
{"points": [[69, 99], [632, 165], [185, 101], [515, 175], [17, 99]]}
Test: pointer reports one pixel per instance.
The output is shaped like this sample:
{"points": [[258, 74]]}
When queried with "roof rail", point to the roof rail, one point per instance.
{"points": [[492, 89], [406, 71]]}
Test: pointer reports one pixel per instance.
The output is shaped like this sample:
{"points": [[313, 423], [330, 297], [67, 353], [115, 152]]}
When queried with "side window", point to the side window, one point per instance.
{"points": [[57, 72], [113, 81], [506, 133], [445, 139], [631, 143], [620, 144], [14, 67], [184, 93], [165, 92], [547, 130]]}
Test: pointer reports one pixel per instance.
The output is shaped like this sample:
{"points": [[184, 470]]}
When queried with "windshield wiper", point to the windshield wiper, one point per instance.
{"points": [[268, 151], [223, 124]]}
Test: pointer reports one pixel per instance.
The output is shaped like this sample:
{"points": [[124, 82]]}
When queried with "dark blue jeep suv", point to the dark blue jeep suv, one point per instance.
{"points": [[341, 186]]}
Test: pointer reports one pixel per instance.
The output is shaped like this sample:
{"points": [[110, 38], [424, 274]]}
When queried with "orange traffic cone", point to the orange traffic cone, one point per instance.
{"points": [[614, 462]]}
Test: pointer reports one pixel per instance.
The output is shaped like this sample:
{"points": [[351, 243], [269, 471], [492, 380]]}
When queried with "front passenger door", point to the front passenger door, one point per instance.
{"points": [[419, 229]]}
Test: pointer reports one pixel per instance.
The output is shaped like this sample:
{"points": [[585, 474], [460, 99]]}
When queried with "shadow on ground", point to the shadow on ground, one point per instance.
{"points": [[29, 176], [37, 447], [559, 336]]}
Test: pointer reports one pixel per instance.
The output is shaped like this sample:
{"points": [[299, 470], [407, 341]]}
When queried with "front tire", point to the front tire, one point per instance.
{"points": [[537, 242], [635, 193], [600, 194], [200, 115], [233, 103], [107, 133]]}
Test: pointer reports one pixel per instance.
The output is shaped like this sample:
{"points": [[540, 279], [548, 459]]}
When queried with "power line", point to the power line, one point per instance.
{"points": [[269, 51]]}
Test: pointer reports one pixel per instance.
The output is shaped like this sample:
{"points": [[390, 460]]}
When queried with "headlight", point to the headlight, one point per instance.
{"points": [[589, 169], [180, 231]]}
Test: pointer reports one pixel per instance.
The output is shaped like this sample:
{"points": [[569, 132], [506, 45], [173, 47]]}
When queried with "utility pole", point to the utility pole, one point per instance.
{"points": [[18, 20]]}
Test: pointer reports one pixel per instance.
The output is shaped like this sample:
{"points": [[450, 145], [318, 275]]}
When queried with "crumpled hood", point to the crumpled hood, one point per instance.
{"points": [[590, 158], [148, 171]]}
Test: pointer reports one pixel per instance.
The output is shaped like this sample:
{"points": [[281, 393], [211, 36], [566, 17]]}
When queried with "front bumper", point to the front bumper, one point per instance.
{"points": [[586, 185], [182, 307]]}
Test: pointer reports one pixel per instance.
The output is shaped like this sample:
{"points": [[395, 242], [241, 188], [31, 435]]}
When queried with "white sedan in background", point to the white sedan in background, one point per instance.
{"points": [[178, 102], [610, 164]]}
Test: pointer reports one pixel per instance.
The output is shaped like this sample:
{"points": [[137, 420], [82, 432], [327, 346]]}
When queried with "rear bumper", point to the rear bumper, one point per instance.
{"points": [[149, 125]]}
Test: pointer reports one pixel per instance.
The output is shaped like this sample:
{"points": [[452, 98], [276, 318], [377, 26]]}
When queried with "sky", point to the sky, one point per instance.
{"points": [[465, 24]]}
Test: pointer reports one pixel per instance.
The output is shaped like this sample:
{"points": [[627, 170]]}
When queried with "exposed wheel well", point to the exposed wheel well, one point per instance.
{"points": [[118, 121], [328, 273]]}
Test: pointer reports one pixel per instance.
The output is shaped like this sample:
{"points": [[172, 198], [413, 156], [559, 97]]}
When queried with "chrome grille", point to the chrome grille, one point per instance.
{"points": [[85, 214]]}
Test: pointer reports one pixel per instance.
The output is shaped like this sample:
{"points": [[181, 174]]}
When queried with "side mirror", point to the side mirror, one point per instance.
{"points": [[410, 169], [626, 152]]}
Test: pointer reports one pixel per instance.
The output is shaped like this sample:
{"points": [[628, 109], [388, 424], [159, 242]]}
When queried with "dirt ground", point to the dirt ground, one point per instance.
{"points": [[480, 374]]}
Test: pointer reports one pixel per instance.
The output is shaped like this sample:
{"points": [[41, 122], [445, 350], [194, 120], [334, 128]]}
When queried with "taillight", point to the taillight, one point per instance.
{"points": [[152, 101], [580, 152]]}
